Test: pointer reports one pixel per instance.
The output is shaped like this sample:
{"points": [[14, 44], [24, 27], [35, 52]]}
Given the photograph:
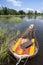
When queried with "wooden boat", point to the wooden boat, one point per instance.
{"points": [[25, 45]]}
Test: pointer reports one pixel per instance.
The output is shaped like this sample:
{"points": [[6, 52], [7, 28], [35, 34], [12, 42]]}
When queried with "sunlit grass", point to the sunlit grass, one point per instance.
{"points": [[15, 19], [4, 55], [10, 19]]}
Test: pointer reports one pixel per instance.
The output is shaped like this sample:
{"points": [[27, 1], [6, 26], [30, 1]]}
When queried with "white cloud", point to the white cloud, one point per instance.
{"points": [[38, 10], [41, 10], [15, 2], [29, 9]]}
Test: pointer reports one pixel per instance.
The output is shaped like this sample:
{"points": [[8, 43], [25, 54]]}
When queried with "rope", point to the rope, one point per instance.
{"points": [[25, 61], [18, 61]]}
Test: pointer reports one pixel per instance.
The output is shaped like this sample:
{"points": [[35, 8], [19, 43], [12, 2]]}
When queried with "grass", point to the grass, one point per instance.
{"points": [[6, 35], [10, 19], [4, 56], [15, 19]]}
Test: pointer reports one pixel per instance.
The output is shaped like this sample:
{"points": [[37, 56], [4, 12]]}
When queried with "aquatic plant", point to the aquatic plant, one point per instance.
{"points": [[11, 19], [15, 19]]}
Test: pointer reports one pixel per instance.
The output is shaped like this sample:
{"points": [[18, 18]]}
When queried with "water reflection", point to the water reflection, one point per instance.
{"points": [[22, 16], [30, 17]]}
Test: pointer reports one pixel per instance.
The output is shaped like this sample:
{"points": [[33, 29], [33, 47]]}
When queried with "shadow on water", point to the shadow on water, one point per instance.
{"points": [[38, 22]]}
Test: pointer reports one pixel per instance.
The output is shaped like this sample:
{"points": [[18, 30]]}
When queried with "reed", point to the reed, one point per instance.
{"points": [[4, 55]]}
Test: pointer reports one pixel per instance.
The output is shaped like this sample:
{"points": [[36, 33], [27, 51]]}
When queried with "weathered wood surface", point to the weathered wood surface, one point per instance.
{"points": [[28, 32]]}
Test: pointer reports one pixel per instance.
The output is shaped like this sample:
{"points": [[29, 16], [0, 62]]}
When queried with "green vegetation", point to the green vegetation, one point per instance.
{"points": [[14, 19], [30, 12], [21, 12], [8, 16], [7, 11], [5, 38], [10, 19]]}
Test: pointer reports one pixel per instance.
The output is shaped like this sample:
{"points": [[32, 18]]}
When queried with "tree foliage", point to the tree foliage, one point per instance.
{"points": [[30, 12], [35, 12], [7, 11], [21, 12]]}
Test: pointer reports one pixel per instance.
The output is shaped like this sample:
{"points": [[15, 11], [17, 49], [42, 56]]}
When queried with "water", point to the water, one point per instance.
{"points": [[38, 22]]}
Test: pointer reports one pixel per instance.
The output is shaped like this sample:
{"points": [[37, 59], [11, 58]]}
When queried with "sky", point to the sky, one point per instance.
{"points": [[23, 4]]}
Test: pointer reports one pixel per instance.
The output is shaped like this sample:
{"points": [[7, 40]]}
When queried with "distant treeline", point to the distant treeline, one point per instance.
{"points": [[7, 11]]}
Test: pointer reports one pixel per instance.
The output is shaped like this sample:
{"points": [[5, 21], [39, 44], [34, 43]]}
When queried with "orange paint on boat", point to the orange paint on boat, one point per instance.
{"points": [[26, 51]]}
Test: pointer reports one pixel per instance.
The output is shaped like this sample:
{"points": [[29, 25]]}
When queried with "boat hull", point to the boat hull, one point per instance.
{"points": [[29, 30], [17, 56]]}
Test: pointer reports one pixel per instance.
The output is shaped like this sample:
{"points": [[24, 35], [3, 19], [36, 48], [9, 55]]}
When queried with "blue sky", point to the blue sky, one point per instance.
{"points": [[23, 4]]}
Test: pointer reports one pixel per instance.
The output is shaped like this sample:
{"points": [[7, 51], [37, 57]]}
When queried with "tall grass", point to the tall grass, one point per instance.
{"points": [[6, 36], [4, 55]]}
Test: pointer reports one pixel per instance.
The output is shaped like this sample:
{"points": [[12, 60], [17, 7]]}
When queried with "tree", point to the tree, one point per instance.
{"points": [[5, 11], [0, 12], [12, 12], [21, 12], [35, 12], [30, 12]]}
